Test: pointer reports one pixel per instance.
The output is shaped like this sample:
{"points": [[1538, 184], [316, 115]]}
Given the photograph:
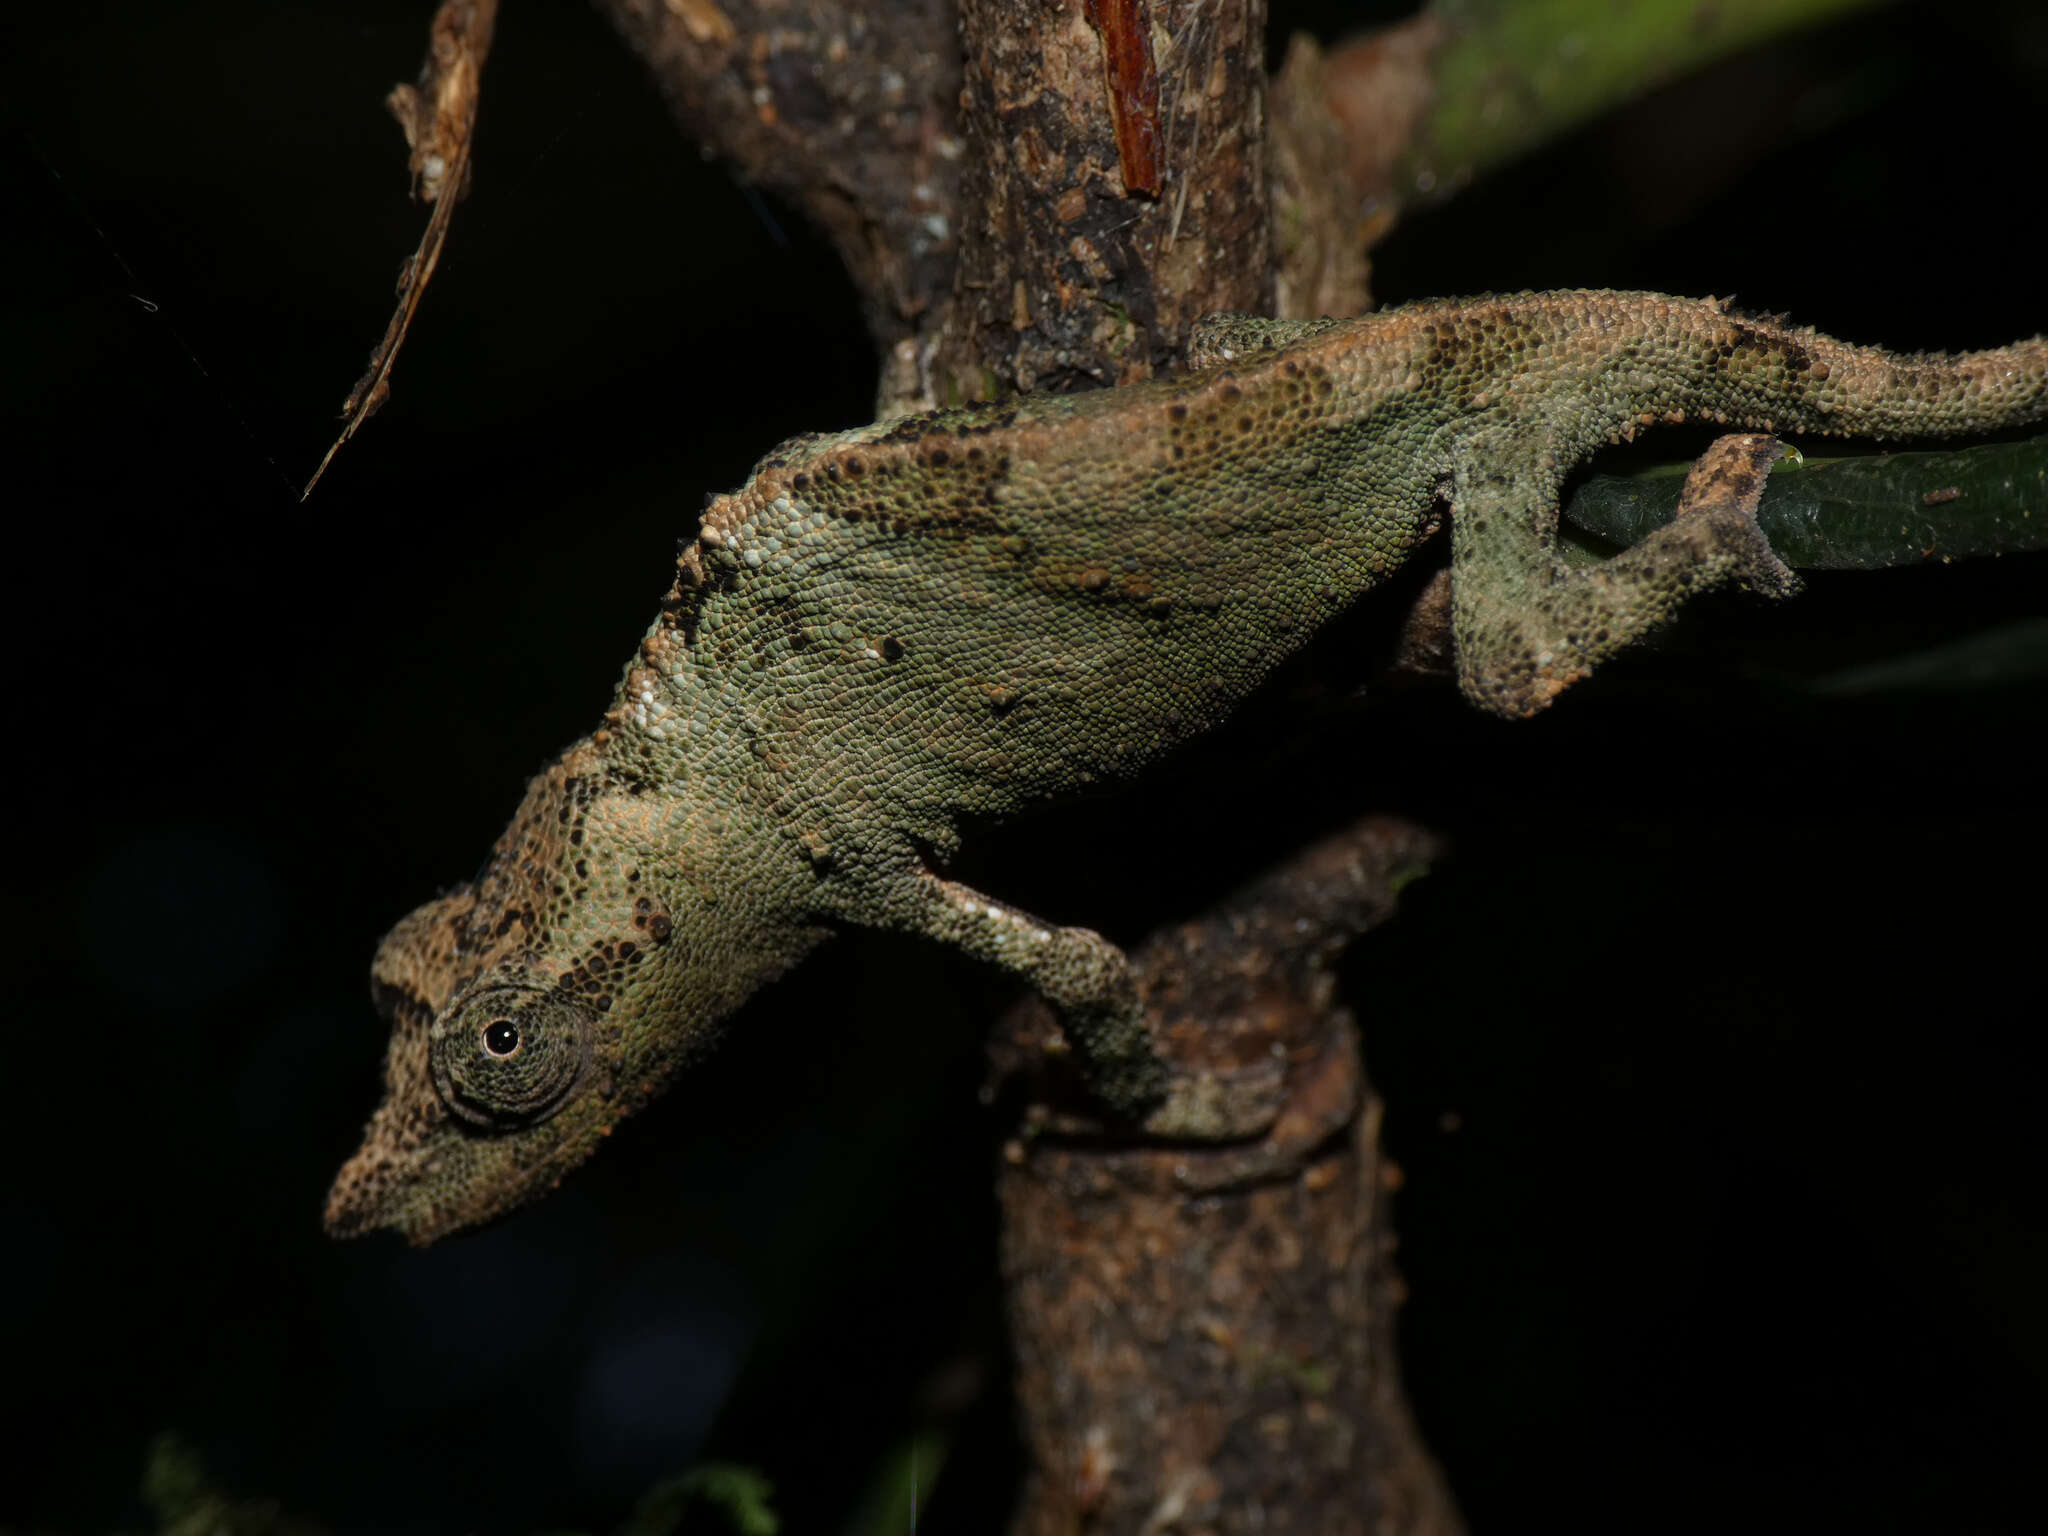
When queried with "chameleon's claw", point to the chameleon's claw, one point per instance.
{"points": [[1725, 484], [1220, 1106]]}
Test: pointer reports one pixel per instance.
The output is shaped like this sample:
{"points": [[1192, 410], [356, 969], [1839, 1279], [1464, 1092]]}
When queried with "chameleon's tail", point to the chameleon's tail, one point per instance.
{"points": [[1865, 392], [1761, 372]]}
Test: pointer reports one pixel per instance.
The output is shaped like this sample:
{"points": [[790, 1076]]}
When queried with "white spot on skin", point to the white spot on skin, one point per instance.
{"points": [[753, 559]]}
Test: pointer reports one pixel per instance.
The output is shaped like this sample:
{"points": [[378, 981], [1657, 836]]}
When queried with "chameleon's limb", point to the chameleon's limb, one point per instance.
{"points": [[1089, 983], [1085, 977], [1528, 627]]}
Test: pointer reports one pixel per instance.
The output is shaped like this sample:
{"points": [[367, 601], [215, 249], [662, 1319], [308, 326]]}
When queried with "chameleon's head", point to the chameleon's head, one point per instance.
{"points": [[534, 1010]]}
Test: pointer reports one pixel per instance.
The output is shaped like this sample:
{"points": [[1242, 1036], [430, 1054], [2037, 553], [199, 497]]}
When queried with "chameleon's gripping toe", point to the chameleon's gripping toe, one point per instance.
{"points": [[1528, 626], [1206, 1105], [1719, 505]]}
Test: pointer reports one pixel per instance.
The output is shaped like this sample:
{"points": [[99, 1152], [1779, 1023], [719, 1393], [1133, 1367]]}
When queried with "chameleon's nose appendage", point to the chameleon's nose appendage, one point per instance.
{"points": [[452, 1176], [361, 1199], [375, 1191], [396, 1179]]}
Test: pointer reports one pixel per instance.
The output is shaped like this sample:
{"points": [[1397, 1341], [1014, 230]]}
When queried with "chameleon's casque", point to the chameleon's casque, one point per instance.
{"points": [[892, 629]]}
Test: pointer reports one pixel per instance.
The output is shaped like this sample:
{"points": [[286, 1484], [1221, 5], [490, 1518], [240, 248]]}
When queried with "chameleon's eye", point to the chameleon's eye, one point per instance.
{"points": [[508, 1055]]}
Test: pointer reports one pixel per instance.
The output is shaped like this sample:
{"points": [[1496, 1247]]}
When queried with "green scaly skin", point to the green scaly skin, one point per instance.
{"points": [[889, 630]]}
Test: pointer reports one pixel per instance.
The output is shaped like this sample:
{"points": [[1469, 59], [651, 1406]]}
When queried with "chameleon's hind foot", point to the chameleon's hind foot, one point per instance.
{"points": [[1526, 626], [1724, 485]]}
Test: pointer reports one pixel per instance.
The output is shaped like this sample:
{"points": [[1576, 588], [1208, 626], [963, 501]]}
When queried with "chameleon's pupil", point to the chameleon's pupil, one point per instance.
{"points": [[501, 1037]]}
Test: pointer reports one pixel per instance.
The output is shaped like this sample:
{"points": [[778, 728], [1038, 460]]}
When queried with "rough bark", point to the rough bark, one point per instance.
{"points": [[1073, 273]]}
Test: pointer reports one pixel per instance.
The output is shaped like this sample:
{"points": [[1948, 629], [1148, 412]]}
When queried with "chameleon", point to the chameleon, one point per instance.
{"points": [[889, 632]]}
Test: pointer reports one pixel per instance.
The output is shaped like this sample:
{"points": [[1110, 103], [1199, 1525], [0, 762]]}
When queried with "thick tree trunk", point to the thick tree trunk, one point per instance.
{"points": [[1114, 190]]}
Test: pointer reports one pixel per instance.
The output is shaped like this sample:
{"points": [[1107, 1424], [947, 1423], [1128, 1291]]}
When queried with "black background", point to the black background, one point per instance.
{"points": [[1710, 1056]]}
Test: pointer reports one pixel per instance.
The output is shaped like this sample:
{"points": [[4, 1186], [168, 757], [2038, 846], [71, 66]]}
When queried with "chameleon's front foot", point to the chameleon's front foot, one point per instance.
{"points": [[1110, 1043], [1103, 1021], [1204, 1105]]}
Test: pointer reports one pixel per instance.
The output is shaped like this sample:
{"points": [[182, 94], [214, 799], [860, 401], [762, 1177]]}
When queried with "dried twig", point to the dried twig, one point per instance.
{"points": [[439, 119]]}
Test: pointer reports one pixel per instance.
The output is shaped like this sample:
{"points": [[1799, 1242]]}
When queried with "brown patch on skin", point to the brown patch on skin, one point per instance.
{"points": [[1731, 471]]}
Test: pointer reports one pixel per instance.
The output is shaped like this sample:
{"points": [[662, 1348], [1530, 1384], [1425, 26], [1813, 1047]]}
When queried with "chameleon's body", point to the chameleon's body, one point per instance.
{"points": [[959, 614]]}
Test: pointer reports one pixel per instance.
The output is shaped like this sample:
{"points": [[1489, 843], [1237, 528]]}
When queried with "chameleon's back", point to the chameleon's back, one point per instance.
{"points": [[992, 604], [978, 607]]}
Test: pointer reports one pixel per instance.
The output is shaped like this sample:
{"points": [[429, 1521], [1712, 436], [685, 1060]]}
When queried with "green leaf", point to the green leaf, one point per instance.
{"points": [[1857, 513], [742, 1496], [901, 1483], [1513, 74]]}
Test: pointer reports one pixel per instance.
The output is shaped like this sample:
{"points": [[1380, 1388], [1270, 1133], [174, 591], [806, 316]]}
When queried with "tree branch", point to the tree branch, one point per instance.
{"points": [[1205, 1334]]}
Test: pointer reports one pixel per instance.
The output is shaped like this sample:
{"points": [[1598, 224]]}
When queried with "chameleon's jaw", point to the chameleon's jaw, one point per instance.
{"points": [[425, 1175]]}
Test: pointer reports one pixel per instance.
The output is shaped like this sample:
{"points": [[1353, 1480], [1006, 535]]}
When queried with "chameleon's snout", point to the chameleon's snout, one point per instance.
{"points": [[436, 1175]]}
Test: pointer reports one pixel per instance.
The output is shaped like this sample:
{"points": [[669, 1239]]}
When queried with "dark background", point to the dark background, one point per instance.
{"points": [[1710, 1056]]}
